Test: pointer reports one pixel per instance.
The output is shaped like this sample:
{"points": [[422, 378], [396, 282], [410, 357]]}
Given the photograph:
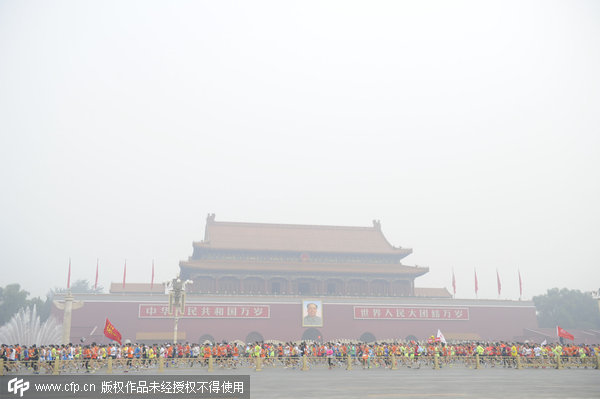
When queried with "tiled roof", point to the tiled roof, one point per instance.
{"points": [[292, 237], [305, 267], [134, 288], [432, 292]]}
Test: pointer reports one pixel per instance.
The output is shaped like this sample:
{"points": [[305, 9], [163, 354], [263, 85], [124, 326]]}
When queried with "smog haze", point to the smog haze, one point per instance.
{"points": [[469, 129]]}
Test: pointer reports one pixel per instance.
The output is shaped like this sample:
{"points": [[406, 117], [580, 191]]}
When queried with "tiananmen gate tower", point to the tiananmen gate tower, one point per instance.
{"points": [[285, 259], [259, 281]]}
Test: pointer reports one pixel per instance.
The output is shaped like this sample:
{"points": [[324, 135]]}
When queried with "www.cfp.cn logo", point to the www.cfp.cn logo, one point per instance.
{"points": [[18, 386]]}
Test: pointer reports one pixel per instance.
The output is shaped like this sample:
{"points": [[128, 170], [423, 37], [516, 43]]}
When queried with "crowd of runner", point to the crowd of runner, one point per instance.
{"points": [[230, 354]]}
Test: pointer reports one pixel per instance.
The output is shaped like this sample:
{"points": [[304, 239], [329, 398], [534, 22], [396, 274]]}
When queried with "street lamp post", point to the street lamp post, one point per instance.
{"points": [[176, 301]]}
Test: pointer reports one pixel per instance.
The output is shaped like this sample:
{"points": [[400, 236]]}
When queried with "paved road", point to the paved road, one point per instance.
{"points": [[425, 383], [459, 382], [321, 383]]}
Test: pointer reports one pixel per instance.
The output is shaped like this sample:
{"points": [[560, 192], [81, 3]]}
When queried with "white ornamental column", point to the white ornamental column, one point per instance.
{"points": [[67, 306]]}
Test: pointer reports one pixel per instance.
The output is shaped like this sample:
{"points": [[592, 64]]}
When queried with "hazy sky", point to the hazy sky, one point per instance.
{"points": [[470, 129]]}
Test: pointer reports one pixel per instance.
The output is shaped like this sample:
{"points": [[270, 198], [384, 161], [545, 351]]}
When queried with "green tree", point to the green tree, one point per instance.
{"points": [[12, 298], [80, 287], [568, 309], [43, 307]]}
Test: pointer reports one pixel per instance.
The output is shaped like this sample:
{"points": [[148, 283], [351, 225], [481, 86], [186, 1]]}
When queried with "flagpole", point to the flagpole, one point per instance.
{"points": [[520, 286], [476, 286], [152, 280], [499, 283], [96, 283], [453, 285], [124, 275]]}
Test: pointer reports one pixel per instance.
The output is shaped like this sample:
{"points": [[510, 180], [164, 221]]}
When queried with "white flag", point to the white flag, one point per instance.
{"points": [[544, 343], [440, 336]]}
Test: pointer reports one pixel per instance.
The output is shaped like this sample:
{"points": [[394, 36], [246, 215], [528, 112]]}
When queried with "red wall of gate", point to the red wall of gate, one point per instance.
{"points": [[489, 320]]}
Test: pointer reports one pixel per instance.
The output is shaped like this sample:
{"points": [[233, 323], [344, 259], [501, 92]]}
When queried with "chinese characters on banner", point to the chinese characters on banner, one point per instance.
{"points": [[410, 313], [207, 311]]}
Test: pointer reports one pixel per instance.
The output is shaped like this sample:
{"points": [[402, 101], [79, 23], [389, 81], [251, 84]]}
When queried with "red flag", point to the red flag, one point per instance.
{"points": [[152, 281], [124, 274], [499, 284], [564, 334], [453, 282], [96, 283], [111, 332], [520, 285], [476, 284], [69, 275]]}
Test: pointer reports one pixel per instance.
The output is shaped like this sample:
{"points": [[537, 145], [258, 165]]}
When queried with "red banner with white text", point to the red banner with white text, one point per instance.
{"points": [[410, 313], [207, 311]]}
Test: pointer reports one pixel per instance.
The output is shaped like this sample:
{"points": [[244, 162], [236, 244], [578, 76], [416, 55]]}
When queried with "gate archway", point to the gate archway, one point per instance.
{"points": [[206, 337], [411, 338], [312, 334], [367, 337], [254, 337]]}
